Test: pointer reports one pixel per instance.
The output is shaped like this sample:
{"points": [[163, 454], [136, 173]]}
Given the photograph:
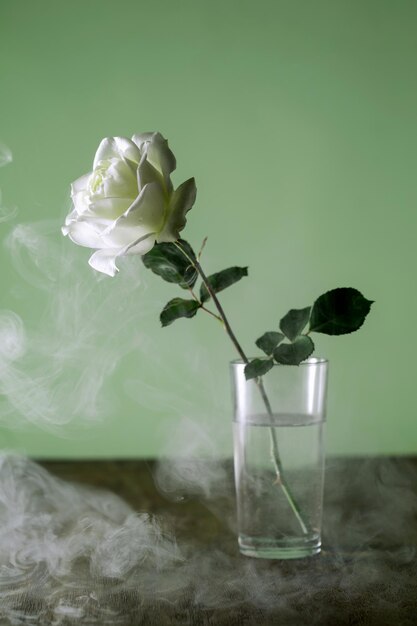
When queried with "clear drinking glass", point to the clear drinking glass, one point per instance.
{"points": [[279, 458]]}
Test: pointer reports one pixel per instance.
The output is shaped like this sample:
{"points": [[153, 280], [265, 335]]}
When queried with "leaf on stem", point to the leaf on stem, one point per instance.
{"points": [[339, 311], [269, 341], [166, 260], [176, 308], [258, 367], [222, 280], [294, 322], [294, 353]]}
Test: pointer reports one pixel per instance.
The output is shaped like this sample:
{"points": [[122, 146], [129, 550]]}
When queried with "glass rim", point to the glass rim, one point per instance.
{"points": [[310, 361]]}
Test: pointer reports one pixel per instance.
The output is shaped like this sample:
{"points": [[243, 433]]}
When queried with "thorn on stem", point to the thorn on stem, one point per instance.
{"points": [[202, 248]]}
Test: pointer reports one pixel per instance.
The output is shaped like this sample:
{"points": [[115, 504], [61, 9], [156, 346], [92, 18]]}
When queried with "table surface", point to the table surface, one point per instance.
{"points": [[365, 574]]}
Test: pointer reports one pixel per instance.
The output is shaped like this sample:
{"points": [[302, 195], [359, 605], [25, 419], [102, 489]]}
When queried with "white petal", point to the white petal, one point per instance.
{"points": [[119, 180], [127, 148], [142, 246], [148, 208], [109, 208], [83, 234], [71, 217], [120, 147], [104, 261], [143, 217], [80, 184], [81, 202], [106, 150], [182, 200], [146, 173], [158, 153], [160, 156], [139, 140]]}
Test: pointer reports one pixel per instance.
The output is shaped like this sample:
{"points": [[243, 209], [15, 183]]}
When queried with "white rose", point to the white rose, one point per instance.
{"points": [[127, 203]]}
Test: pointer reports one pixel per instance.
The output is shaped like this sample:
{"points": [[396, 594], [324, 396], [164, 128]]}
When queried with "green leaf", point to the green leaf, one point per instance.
{"points": [[294, 322], [339, 311], [258, 367], [166, 260], [221, 280], [269, 341], [178, 307], [294, 353]]}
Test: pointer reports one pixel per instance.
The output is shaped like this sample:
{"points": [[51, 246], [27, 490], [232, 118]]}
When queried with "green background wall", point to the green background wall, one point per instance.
{"points": [[298, 120]]}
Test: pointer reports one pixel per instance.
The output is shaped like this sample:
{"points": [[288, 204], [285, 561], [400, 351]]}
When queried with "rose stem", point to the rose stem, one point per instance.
{"points": [[274, 443], [217, 317]]}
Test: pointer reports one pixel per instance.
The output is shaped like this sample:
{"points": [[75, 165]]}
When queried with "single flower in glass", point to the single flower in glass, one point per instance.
{"points": [[128, 202]]}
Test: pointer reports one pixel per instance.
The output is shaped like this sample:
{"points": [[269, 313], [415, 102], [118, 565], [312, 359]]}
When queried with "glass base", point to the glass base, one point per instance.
{"points": [[264, 548]]}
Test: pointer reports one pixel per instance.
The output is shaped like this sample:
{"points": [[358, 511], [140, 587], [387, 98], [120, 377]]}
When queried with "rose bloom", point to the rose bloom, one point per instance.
{"points": [[127, 203]]}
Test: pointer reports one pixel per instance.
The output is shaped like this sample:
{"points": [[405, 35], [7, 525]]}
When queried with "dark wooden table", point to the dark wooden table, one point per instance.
{"points": [[366, 573]]}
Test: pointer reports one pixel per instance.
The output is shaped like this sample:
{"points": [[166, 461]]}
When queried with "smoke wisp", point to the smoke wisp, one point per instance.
{"points": [[53, 368], [6, 213], [71, 554]]}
